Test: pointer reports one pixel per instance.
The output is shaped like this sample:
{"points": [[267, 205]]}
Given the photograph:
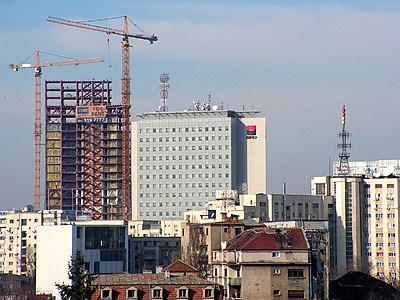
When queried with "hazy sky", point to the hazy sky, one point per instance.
{"points": [[297, 62]]}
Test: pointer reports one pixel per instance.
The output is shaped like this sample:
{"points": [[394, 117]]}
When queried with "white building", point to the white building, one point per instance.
{"points": [[266, 207], [18, 237], [179, 159], [367, 218], [104, 245]]}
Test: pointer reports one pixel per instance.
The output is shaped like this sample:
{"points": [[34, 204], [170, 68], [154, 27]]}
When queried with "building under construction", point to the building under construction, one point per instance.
{"points": [[83, 149]]}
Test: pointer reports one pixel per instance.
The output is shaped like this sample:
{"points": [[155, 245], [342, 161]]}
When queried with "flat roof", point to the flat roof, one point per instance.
{"points": [[199, 113]]}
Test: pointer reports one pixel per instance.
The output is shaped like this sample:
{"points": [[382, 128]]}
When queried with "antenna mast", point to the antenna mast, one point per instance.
{"points": [[164, 86], [343, 169]]}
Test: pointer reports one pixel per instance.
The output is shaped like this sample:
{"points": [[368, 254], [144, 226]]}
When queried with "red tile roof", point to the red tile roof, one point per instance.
{"points": [[179, 266], [146, 279], [269, 239]]}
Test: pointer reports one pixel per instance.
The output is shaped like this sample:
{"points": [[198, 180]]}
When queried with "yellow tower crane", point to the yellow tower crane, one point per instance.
{"points": [[125, 95], [38, 110]]}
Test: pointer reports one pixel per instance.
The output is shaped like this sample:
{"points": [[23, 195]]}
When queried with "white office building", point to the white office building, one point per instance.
{"points": [[179, 159]]}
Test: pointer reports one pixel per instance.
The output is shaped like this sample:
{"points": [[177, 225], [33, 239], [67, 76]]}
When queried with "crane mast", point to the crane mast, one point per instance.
{"points": [[38, 111], [37, 132], [126, 105], [125, 195]]}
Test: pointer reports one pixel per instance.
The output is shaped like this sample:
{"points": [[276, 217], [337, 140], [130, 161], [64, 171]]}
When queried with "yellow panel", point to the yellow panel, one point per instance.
{"points": [[53, 144], [54, 185], [53, 135], [53, 160], [53, 168], [53, 177], [53, 152]]}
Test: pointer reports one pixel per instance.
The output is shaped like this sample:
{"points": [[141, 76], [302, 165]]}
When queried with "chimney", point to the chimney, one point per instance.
{"points": [[224, 216]]}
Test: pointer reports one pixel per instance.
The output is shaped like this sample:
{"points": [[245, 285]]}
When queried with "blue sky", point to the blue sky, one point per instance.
{"points": [[297, 62]]}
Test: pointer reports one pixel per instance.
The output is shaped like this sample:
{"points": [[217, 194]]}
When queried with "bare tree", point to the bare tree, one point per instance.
{"points": [[196, 252]]}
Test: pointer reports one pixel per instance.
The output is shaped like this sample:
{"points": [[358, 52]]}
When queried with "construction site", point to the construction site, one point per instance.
{"points": [[87, 136]]}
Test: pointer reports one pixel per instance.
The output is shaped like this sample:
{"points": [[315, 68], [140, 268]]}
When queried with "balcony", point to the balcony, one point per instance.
{"points": [[235, 281]]}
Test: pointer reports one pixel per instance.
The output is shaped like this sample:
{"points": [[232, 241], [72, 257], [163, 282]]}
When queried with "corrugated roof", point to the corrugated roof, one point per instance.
{"points": [[145, 279], [179, 266], [269, 239]]}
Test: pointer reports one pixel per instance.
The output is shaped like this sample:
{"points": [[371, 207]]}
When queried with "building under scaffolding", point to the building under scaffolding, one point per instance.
{"points": [[83, 148]]}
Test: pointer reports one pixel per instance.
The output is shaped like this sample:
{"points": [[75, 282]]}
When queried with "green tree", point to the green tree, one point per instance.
{"points": [[81, 282]]}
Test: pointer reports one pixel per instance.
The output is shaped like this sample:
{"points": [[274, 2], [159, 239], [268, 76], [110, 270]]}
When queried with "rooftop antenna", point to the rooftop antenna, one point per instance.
{"points": [[164, 86], [343, 169]]}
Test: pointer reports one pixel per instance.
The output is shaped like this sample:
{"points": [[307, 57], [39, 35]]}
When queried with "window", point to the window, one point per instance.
{"points": [[106, 293], [157, 292], [182, 292], [294, 273], [276, 271], [296, 294], [276, 254], [277, 293], [208, 292]]}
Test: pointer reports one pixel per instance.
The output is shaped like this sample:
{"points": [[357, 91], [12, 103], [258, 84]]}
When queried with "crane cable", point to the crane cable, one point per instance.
{"points": [[109, 53]]}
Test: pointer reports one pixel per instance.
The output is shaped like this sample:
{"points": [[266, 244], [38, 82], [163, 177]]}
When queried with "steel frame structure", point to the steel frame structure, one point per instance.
{"points": [[83, 160]]}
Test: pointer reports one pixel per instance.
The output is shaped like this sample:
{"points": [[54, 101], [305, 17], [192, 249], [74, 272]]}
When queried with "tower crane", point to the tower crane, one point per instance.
{"points": [[38, 109], [125, 95]]}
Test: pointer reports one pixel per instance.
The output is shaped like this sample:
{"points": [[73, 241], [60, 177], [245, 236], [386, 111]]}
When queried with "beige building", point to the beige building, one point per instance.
{"points": [[18, 237], [367, 222], [264, 264], [152, 228], [266, 207]]}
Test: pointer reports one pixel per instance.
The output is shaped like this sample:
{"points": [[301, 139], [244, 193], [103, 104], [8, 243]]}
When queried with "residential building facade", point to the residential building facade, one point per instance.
{"points": [[154, 286], [18, 237], [367, 220], [264, 264]]}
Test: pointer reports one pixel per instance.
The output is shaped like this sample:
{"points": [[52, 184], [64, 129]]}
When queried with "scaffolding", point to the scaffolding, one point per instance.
{"points": [[83, 149]]}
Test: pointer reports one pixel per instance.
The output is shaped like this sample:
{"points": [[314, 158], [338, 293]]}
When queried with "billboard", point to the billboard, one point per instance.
{"points": [[251, 131], [91, 114]]}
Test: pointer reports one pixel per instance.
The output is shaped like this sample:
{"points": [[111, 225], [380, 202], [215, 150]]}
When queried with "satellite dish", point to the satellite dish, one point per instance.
{"points": [[388, 171]]}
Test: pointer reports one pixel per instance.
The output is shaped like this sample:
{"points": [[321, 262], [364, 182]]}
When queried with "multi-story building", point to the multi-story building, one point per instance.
{"points": [[18, 237], [154, 286], [146, 253], [103, 244], [153, 228], [179, 159], [83, 149], [366, 217], [264, 264], [317, 233], [199, 240], [265, 207]]}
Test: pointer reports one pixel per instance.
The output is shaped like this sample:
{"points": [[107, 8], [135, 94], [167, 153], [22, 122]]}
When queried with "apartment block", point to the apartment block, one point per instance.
{"points": [[154, 286], [18, 237], [367, 219], [264, 264]]}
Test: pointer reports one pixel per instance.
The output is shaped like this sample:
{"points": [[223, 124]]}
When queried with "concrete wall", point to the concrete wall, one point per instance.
{"points": [[54, 250]]}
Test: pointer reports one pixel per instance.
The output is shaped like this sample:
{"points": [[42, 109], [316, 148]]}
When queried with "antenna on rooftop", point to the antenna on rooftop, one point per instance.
{"points": [[343, 169], [164, 86]]}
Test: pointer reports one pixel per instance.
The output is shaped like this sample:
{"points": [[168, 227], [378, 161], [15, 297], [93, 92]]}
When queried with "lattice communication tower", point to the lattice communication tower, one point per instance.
{"points": [[164, 86], [343, 169]]}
